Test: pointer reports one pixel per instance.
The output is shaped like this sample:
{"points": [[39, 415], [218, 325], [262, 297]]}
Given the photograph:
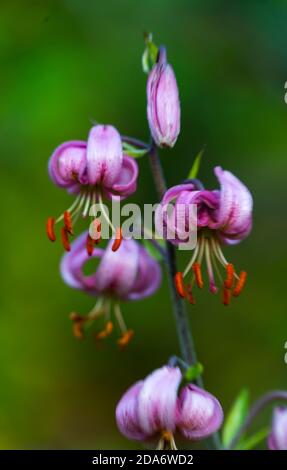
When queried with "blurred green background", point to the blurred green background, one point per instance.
{"points": [[65, 63]]}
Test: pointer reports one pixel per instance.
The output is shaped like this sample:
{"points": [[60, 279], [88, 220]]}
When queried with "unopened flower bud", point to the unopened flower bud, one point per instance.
{"points": [[163, 108]]}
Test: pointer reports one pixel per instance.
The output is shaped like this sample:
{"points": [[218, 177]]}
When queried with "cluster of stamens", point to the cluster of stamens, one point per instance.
{"points": [[82, 206], [209, 247], [102, 309]]}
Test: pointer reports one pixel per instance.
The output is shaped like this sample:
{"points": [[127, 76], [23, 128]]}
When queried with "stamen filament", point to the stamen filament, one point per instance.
{"points": [[188, 267], [212, 286], [106, 216], [215, 265], [80, 205], [218, 253], [70, 209], [97, 310], [120, 319], [87, 206], [201, 250], [160, 444]]}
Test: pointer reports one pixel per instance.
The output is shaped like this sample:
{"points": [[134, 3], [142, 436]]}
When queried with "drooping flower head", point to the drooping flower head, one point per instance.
{"points": [[91, 170], [155, 408], [278, 437], [224, 216], [130, 273], [163, 108]]}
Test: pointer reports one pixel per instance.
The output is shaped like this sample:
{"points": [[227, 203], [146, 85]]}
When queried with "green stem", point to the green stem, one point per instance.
{"points": [[186, 342]]}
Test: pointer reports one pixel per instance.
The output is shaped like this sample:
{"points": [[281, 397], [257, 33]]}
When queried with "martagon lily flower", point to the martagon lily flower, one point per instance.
{"points": [[128, 274], [92, 170], [278, 437], [224, 216], [154, 409]]}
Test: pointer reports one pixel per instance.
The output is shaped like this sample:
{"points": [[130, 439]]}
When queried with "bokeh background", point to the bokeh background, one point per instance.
{"points": [[65, 63]]}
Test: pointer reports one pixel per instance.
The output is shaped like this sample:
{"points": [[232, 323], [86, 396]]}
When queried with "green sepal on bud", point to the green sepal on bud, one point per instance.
{"points": [[133, 151], [150, 53], [193, 372]]}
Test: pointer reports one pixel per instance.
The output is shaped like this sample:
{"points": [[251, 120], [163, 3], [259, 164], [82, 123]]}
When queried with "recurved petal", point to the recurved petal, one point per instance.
{"points": [[157, 400], [230, 238], [148, 277], [165, 216], [73, 262], [126, 182], [199, 414], [104, 155], [127, 414], [67, 165], [235, 207]]}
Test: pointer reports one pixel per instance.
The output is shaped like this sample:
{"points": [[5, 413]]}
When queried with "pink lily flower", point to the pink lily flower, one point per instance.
{"points": [[154, 409], [128, 274], [93, 170], [224, 216]]}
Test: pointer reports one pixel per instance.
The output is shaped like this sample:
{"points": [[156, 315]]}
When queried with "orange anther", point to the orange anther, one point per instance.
{"points": [[78, 324], [109, 327], [125, 339], [68, 222], [240, 283], [179, 285], [50, 229], [118, 239], [106, 331], [65, 239], [189, 295], [226, 296], [90, 245], [229, 276], [197, 273]]}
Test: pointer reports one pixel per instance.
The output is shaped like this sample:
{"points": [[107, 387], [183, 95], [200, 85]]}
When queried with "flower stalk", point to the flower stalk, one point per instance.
{"points": [[186, 342]]}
